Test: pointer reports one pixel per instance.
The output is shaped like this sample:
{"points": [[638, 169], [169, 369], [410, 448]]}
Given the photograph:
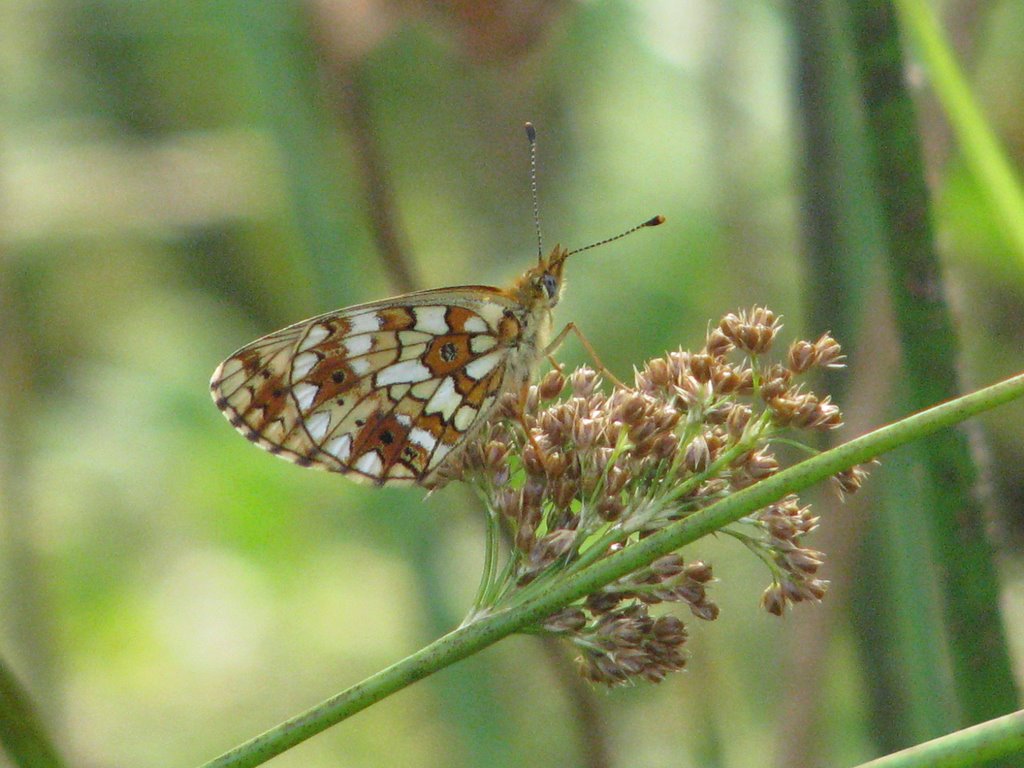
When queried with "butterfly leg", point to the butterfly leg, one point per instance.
{"points": [[557, 342]]}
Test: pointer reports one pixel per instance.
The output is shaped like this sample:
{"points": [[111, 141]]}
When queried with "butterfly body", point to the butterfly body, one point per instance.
{"points": [[386, 392]]}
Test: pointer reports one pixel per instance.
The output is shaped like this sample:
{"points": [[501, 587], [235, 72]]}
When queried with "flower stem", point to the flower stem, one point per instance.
{"points": [[756, 548], [484, 592], [489, 629]]}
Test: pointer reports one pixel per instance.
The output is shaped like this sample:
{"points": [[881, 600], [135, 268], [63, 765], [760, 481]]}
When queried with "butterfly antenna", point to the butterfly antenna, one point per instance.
{"points": [[659, 219], [531, 136]]}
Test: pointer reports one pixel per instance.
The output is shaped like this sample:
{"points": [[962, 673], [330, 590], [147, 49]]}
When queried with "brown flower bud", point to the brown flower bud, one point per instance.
{"points": [[532, 402], [664, 447], [697, 457], [667, 565], [669, 630], [801, 356], [776, 382], [699, 571], [642, 431], [532, 496], [806, 561], [610, 508], [781, 527], [495, 462], [692, 592], [553, 426], [571, 619], [508, 406], [761, 464], [506, 502], [805, 411], [657, 371], [665, 418], [533, 462], [678, 365], [727, 379], [584, 382], [708, 611], [825, 353], [585, 433], [737, 420], [830, 354], [816, 588], [773, 601], [602, 602], [525, 537], [555, 464], [746, 386], [718, 344], [751, 331], [849, 480], [629, 410], [703, 367], [551, 385], [549, 548], [615, 480], [563, 492]]}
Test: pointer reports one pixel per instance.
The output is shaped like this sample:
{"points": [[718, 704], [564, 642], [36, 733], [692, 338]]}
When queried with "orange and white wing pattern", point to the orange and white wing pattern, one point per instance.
{"points": [[382, 392]]}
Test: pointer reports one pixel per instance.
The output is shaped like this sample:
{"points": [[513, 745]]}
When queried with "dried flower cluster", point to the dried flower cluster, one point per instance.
{"points": [[580, 477]]}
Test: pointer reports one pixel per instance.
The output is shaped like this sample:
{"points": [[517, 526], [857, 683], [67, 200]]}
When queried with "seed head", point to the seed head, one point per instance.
{"points": [[551, 385], [580, 474], [751, 331], [850, 480], [823, 353], [584, 382]]}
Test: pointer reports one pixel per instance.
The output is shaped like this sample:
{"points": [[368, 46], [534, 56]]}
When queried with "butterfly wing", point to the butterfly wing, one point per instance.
{"points": [[383, 392]]}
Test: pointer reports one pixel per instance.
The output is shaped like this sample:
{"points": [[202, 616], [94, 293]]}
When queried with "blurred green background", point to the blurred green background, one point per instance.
{"points": [[180, 178]]}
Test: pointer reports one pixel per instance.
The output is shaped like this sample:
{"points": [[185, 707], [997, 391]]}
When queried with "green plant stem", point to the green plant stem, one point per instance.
{"points": [[21, 733], [617, 534], [1000, 737], [486, 631], [984, 156], [940, 621], [485, 592]]}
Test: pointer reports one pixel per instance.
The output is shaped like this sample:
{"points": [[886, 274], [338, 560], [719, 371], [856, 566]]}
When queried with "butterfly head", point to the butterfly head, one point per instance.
{"points": [[541, 286]]}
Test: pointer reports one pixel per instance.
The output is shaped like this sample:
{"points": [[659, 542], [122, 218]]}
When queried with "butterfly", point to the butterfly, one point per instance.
{"points": [[386, 392]]}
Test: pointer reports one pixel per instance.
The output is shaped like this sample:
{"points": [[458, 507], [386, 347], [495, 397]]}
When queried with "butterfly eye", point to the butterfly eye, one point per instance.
{"points": [[550, 285]]}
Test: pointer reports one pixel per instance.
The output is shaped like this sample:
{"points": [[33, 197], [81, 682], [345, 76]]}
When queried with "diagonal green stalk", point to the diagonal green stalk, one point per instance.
{"points": [[486, 631], [618, 534], [755, 435], [982, 151], [937, 622], [22, 735], [997, 738]]}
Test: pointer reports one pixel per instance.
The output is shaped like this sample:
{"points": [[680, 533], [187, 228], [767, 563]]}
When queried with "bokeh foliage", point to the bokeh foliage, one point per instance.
{"points": [[178, 179]]}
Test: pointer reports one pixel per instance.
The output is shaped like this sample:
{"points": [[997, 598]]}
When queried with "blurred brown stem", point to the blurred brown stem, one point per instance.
{"points": [[352, 108]]}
